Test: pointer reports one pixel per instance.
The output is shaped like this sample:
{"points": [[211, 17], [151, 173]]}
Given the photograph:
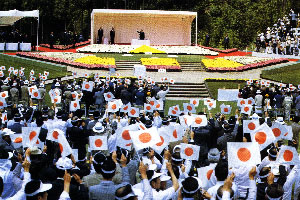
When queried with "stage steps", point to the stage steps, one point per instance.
{"points": [[181, 90], [191, 66], [126, 65]]}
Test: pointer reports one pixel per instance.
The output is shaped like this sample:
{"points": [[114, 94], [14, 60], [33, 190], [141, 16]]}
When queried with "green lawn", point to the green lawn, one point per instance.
{"points": [[288, 74], [214, 86], [38, 67], [137, 57]]}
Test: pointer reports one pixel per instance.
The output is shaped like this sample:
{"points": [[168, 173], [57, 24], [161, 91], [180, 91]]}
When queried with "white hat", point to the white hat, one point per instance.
{"points": [[98, 128], [14, 84], [164, 178], [43, 188], [69, 87], [176, 147], [35, 150], [42, 85], [57, 84], [280, 120], [7, 131], [258, 92], [152, 167], [64, 163], [254, 116], [77, 87], [155, 175], [26, 82]]}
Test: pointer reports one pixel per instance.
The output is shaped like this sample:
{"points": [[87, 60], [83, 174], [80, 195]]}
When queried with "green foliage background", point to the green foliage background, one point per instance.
{"points": [[240, 19]]}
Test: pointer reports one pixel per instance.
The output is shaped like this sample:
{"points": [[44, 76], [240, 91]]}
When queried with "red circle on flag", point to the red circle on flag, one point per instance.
{"points": [[1, 103], [132, 111], [32, 134], [98, 142], [246, 109], [128, 145], [114, 106], [243, 102], [226, 109], [125, 108], [55, 135], [18, 140], [260, 137], [35, 94], [61, 147], [174, 112], [37, 142], [108, 96], [251, 126], [250, 102], [73, 96], [286, 134], [145, 137], [151, 103], [126, 135], [243, 154], [276, 132], [87, 86], [175, 133], [148, 107], [189, 108], [176, 108], [3, 95], [189, 151], [194, 102], [75, 105], [288, 155], [211, 104], [198, 120], [142, 127], [162, 141], [209, 173], [158, 105], [55, 100]]}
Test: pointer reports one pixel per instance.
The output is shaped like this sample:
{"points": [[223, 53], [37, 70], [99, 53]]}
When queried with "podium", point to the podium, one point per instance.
{"points": [[140, 42]]}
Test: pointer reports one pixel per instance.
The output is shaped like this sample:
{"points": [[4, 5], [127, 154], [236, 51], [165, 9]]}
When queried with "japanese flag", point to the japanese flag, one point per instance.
{"points": [[243, 154], [123, 136], [195, 102], [248, 82], [46, 73], [21, 73], [141, 126], [250, 125], [189, 151], [172, 81], [207, 176], [64, 146], [53, 134], [88, 86], [107, 78], [56, 99], [108, 96], [187, 107], [186, 120], [164, 141], [173, 111], [125, 108], [74, 95], [74, 74], [74, 105], [199, 120], [98, 142], [3, 68], [289, 134], [32, 78], [36, 94], [16, 72], [176, 132], [2, 103], [133, 112], [246, 109], [140, 77], [288, 155], [140, 82], [31, 73], [152, 101], [279, 130], [225, 109], [148, 108], [153, 82], [30, 136], [241, 102], [281, 85], [159, 105], [212, 104], [263, 135], [4, 117], [4, 94], [113, 107], [1, 73], [250, 101], [86, 75], [145, 138], [16, 140]]}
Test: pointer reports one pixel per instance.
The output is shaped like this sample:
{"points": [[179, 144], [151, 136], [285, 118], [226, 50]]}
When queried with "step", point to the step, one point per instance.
{"points": [[188, 89], [187, 92], [188, 95]]}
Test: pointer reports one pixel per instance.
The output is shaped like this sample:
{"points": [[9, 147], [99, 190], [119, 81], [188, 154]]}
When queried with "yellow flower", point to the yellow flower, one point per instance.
{"points": [[92, 60], [145, 48], [220, 63], [160, 61]]}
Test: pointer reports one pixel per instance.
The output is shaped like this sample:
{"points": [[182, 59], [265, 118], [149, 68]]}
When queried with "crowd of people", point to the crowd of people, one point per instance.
{"points": [[31, 171], [283, 38]]}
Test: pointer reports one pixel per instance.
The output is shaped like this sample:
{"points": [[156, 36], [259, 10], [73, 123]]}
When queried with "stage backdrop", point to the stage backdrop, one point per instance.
{"points": [[160, 27]]}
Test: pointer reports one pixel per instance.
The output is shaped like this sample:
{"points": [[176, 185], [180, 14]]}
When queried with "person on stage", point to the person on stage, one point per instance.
{"points": [[100, 35], [142, 34], [112, 36]]}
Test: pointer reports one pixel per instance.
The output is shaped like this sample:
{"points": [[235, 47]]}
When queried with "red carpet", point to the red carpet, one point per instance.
{"points": [[237, 53]]}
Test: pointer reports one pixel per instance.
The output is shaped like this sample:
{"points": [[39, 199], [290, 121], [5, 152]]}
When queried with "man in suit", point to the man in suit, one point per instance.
{"points": [[16, 127], [112, 35], [14, 94], [226, 42], [5, 141], [142, 34], [51, 40], [100, 35]]}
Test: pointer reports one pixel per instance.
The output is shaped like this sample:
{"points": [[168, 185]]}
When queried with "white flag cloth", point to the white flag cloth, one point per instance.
{"points": [[207, 176], [195, 102], [64, 146], [164, 137], [3, 103], [1, 73], [159, 105], [186, 120], [250, 101], [250, 125], [241, 102], [125, 108], [16, 140], [108, 96], [148, 108], [4, 117], [207, 100], [279, 130], [56, 99], [75, 95], [4, 94], [172, 81], [52, 93], [187, 107], [289, 134], [112, 107], [30, 136], [88, 86], [288, 155], [173, 111], [199, 120], [123, 137], [243, 153], [53, 134], [263, 135], [98, 142], [74, 105], [176, 132], [31, 89], [141, 126], [225, 109], [133, 112], [152, 101], [189, 151], [144, 138], [211, 105], [36, 94], [246, 109]]}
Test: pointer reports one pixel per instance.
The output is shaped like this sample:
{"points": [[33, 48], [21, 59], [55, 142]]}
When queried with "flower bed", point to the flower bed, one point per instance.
{"points": [[161, 63], [144, 49], [245, 60], [219, 50], [94, 60], [221, 64], [65, 58], [65, 47]]}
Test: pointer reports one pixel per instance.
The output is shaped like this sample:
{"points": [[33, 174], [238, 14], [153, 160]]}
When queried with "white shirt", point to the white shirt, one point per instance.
{"points": [[213, 190], [163, 194]]}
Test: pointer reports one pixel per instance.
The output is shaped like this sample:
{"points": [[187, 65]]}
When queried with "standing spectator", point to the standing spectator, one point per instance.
{"points": [[51, 40], [207, 39], [297, 102], [226, 42], [112, 35], [287, 104], [161, 95], [100, 35]]}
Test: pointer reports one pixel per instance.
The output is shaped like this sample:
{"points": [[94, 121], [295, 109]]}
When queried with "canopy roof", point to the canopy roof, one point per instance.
{"points": [[8, 18]]}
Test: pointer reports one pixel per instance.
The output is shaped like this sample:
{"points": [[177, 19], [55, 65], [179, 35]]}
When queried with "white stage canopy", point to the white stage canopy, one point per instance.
{"points": [[160, 27], [8, 18]]}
